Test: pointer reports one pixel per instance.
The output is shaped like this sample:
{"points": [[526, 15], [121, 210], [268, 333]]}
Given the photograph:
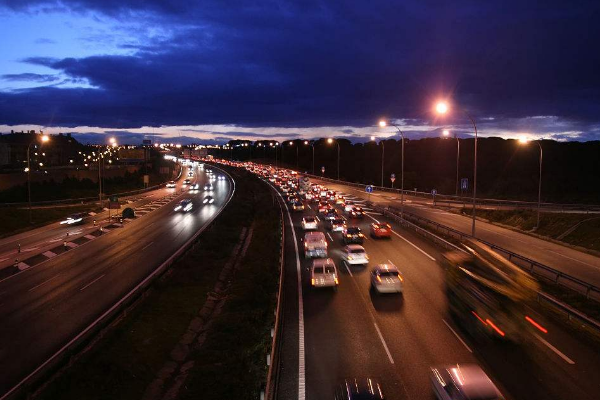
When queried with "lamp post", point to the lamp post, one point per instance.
{"points": [[446, 133], [306, 142], [442, 108], [382, 156], [383, 124], [523, 140], [291, 144], [44, 138], [330, 140]]}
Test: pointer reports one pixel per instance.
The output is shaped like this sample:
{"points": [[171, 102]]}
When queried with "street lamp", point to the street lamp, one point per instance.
{"points": [[523, 140], [330, 140], [44, 139], [442, 108], [382, 156], [383, 124], [306, 143], [291, 144], [446, 133]]}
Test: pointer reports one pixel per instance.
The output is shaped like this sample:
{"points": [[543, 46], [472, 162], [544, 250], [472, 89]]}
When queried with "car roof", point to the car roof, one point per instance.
{"points": [[321, 262], [472, 381], [355, 247], [387, 267], [353, 228]]}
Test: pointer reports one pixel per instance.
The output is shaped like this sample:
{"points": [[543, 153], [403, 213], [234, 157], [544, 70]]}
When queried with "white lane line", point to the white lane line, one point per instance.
{"points": [[3, 259], [413, 245], [55, 240], [49, 254], [309, 207], [146, 246], [329, 236], [554, 349], [317, 217], [348, 268], [29, 249], [368, 215], [92, 282], [458, 337], [384, 344], [43, 283]]}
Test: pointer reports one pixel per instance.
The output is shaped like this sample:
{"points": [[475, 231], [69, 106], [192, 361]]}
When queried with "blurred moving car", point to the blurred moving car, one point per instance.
{"points": [[331, 213], [195, 186], [352, 234], [315, 245], [209, 187], [324, 274], [348, 204], [463, 381], [385, 278], [171, 184], [355, 254], [359, 389], [221, 177], [184, 205], [186, 181], [75, 219], [356, 212], [381, 230], [208, 200], [298, 206], [309, 223], [336, 225]]}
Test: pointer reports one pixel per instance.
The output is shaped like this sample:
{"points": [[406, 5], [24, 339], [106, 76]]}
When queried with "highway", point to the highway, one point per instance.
{"points": [[45, 306], [576, 263], [355, 333]]}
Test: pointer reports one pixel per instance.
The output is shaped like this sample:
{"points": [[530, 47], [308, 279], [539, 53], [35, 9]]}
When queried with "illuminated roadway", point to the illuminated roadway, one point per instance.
{"points": [[356, 333], [44, 307]]}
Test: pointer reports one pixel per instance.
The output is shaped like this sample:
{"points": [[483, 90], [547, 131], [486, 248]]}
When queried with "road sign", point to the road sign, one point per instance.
{"points": [[433, 192], [322, 170], [464, 184], [369, 188], [393, 178]]}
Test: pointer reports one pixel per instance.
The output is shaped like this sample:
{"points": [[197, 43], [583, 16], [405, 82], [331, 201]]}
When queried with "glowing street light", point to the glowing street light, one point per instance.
{"points": [[446, 132], [442, 108], [384, 123], [524, 141]]}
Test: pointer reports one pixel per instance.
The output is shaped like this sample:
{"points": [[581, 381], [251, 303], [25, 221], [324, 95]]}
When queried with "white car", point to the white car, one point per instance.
{"points": [[195, 186], [221, 178], [171, 184], [324, 274], [208, 200], [184, 205], [208, 187], [348, 205], [463, 381], [74, 219], [309, 223], [385, 278], [355, 254]]}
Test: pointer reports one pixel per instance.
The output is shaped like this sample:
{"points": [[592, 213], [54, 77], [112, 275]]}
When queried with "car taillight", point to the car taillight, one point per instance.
{"points": [[312, 282], [378, 278], [336, 281]]}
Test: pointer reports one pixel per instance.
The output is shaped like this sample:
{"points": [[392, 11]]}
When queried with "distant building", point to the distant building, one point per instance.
{"points": [[58, 151]]}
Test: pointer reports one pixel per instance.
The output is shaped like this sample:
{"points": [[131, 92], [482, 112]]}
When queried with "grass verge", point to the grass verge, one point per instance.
{"points": [[16, 220], [123, 364], [552, 225]]}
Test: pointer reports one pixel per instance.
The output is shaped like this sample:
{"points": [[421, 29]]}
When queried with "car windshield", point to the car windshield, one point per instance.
{"points": [[318, 270], [357, 251], [329, 270], [337, 221], [310, 219], [353, 230], [388, 273]]}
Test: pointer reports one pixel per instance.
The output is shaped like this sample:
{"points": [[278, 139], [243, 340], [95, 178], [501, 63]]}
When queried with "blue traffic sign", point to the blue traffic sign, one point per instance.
{"points": [[433, 192], [369, 189], [464, 183]]}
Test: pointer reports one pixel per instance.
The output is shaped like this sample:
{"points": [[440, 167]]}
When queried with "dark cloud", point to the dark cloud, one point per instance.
{"points": [[29, 77], [320, 63]]}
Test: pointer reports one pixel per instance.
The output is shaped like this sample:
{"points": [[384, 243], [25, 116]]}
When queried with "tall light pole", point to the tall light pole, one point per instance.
{"points": [[382, 156], [446, 133], [44, 138], [442, 108], [523, 140], [330, 140], [306, 142], [383, 124], [291, 144]]}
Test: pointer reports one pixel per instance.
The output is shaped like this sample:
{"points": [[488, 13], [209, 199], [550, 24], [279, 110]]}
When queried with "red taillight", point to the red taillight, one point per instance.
{"points": [[495, 327], [478, 317], [532, 322]]}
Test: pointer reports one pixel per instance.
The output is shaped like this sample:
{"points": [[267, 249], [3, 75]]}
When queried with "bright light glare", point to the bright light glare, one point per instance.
{"points": [[382, 123], [112, 140], [441, 107], [45, 138], [446, 132], [523, 139], [330, 140], [372, 137]]}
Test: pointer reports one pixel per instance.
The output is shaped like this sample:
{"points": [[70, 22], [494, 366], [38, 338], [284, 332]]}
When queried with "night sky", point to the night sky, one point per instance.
{"points": [[217, 70]]}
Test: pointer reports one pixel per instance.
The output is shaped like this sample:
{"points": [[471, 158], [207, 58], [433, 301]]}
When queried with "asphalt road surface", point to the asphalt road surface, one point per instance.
{"points": [[47, 305], [353, 332], [576, 263]]}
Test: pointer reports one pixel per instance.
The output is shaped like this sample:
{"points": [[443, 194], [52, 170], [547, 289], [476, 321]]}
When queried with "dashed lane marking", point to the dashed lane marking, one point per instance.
{"points": [[329, 236], [458, 337], [92, 282], [91, 237], [49, 254], [554, 349], [43, 283], [72, 245]]}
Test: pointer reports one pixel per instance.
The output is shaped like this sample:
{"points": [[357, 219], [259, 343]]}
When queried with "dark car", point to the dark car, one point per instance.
{"points": [[331, 213], [359, 389], [356, 212], [353, 234]]}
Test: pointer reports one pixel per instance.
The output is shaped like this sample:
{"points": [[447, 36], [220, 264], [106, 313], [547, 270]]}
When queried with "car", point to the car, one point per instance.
{"points": [[352, 234], [323, 207], [208, 200], [330, 214], [315, 245], [211, 178], [463, 381], [348, 205], [284, 189], [209, 187], [385, 278], [336, 224], [355, 254], [221, 177], [356, 212], [75, 219], [381, 230], [184, 205], [339, 199], [195, 186], [171, 184], [309, 223], [323, 273], [191, 174], [359, 389], [308, 196], [186, 181], [298, 206]]}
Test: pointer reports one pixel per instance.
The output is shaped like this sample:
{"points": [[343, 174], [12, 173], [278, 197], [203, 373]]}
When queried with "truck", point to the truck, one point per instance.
{"points": [[303, 185], [315, 245], [487, 294]]}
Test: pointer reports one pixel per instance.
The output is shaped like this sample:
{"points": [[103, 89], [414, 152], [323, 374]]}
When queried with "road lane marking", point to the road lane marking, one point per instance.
{"points": [[43, 283], [458, 337], [21, 266], [413, 245], [146, 246], [348, 268], [92, 282], [3, 259], [49, 254], [367, 214], [91, 237], [387, 351], [29, 249], [554, 349], [329, 236], [71, 244]]}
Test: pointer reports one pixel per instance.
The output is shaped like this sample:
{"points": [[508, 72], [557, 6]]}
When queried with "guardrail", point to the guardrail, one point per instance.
{"points": [[272, 383], [64, 354]]}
